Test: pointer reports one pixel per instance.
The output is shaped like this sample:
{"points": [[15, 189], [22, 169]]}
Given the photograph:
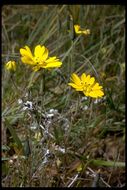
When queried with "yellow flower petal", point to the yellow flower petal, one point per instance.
{"points": [[41, 53], [27, 56], [78, 88], [83, 77], [86, 93], [50, 59], [87, 79], [96, 86], [75, 79], [27, 60], [86, 32], [96, 94], [53, 64], [26, 52], [92, 80], [39, 50], [77, 28], [45, 54]]}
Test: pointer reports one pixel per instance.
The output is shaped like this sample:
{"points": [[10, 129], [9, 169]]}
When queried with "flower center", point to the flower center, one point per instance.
{"points": [[37, 59], [86, 87], [40, 62]]}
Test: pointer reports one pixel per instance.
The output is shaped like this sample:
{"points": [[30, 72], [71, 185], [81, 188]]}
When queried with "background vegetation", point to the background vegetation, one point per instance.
{"points": [[81, 142]]}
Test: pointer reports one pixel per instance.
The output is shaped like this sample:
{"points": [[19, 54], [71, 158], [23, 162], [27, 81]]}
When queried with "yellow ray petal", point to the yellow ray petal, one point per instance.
{"points": [[53, 64], [78, 88], [27, 60], [87, 79], [38, 51], [91, 81], [96, 86], [83, 77], [96, 93], [41, 53], [75, 79], [26, 52], [28, 49], [51, 59]]}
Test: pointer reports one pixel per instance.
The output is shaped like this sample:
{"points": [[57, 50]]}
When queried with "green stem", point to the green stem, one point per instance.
{"points": [[107, 163]]}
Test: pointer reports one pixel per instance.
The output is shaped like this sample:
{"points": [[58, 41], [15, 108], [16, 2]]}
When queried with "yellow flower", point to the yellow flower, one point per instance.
{"points": [[47, 64], [79, 31], [40, 54], [87, 85], [39, 59], [11, 65]]}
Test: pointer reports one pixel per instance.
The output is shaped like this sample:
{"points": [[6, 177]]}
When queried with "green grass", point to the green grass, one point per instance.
{"points": [[92, 135]]}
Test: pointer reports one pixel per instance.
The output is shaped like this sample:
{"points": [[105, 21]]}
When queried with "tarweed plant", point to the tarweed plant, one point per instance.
{"points": [[53, 136]]}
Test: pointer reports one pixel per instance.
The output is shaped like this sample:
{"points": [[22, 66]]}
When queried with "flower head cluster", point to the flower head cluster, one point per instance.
{"points": [[79, 31], [11, 65], [87, 85], [39, 59]]}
